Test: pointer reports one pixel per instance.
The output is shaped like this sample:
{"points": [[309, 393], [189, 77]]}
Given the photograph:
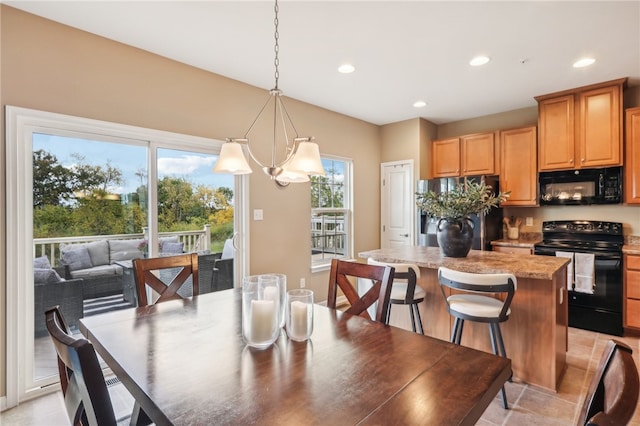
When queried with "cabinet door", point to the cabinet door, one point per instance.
{"points": [[600, 128], [632, 160], [631, 312], [478, 154], [518, 172], [556, 124], [445, 158]]}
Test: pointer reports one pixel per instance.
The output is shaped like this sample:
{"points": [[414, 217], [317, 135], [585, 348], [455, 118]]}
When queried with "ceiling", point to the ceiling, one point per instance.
{"points": [[403, 51]]}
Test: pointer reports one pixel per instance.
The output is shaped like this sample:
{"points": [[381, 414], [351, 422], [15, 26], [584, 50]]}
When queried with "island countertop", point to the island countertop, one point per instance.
{"points": [[486, 262]]}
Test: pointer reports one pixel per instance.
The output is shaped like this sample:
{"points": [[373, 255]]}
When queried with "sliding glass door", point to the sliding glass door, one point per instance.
{"points": [[97, 195]]}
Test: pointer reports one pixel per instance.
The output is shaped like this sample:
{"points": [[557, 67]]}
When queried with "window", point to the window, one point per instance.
{"points": [[331, 233]]}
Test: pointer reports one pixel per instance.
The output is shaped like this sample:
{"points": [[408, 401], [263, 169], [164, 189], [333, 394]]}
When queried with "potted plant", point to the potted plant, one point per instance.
{"points": [[454, 208]]}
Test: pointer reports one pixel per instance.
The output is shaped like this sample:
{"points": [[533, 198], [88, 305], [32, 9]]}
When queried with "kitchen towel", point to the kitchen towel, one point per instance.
{"points": [[569, 267], [585, 272]]}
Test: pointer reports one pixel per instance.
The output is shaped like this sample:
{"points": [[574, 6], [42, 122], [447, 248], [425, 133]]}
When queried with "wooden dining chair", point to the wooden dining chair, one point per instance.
{"points": [[151, 272], [85, 392], [343, 275], [612, 397]]}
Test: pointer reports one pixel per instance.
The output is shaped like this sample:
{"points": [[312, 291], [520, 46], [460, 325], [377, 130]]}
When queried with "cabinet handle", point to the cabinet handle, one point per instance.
{"points": [[582, 160], [571, 161]]}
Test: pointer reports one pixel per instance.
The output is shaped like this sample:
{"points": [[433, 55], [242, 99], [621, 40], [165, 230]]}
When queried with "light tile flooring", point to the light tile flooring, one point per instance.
{"points": [[528, 405]]}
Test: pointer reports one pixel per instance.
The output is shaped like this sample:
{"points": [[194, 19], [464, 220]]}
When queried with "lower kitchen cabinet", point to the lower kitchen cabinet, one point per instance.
{"points": [[631, 296]]}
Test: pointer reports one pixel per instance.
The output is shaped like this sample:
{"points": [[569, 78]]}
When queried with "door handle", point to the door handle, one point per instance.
{"points": [[404, 235]]}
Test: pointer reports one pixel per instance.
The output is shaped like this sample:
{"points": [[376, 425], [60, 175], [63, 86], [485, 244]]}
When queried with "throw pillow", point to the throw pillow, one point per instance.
{"points": [[45, 276], [77, 258], [163, 240], [41, 262], [173, 248]]}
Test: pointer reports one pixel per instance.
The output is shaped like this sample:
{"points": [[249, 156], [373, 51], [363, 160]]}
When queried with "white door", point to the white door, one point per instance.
{"points": [[397, 214]]}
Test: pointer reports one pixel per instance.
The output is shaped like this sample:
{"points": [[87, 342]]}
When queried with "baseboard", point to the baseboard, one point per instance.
{"points": [[3, 403]]}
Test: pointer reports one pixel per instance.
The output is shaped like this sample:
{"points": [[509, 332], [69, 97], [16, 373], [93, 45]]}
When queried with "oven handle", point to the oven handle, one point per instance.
{"points": [[598, 256]]}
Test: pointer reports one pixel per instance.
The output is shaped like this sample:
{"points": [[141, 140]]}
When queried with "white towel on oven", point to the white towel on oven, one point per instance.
{"points": [[585, 272], [569, 267]]}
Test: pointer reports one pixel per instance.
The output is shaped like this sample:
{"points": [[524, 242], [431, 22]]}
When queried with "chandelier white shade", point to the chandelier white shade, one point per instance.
{"points": [[232, 160], [294, 162]]}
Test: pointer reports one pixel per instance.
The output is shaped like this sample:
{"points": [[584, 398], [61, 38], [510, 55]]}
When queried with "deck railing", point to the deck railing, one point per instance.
{"points": [[198, 240]]}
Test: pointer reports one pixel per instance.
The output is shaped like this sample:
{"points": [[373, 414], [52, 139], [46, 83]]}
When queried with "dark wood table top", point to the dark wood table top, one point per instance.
{"points": [[185, 362]]}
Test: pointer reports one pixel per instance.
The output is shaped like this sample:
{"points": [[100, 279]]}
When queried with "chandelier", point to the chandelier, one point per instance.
{"points": [[294, 161]]}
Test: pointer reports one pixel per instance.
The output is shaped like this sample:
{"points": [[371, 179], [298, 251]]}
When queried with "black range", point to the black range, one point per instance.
{"points": [[595, 274]]}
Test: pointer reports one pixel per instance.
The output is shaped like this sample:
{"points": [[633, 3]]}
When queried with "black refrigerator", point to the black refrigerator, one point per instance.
{"points": [[487, 228]]}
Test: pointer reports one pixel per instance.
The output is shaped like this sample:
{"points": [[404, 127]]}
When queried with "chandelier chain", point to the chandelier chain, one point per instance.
{"points": [[276, 47]]}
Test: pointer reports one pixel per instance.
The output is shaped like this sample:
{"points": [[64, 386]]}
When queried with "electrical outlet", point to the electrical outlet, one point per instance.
{"points": [[302, 282], [529, 221], [258, 214]]}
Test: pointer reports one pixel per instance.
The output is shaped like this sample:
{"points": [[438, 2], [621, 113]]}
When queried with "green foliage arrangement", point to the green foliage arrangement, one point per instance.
{"points": [[462, 201]]}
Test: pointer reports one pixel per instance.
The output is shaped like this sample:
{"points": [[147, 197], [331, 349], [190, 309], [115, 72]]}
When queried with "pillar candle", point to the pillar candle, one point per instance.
{"points": [[263, 318], [298, 320]]}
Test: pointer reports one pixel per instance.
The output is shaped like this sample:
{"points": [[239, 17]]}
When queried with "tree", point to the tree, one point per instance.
{"points": [[53, 184]]}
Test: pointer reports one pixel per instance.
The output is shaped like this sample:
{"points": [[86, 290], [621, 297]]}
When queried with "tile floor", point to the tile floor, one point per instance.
{"points": [[528, 405]]}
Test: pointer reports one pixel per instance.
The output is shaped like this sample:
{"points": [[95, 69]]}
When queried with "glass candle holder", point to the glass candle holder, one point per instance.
{"points": [[299, 314], [282, 278], [260, 310]]}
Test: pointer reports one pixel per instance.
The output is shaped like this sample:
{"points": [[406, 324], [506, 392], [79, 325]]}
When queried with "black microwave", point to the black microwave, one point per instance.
{"points": [[583, 186]]}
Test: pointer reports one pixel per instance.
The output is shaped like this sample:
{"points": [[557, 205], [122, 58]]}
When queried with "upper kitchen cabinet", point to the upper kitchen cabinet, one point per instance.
{"points": [[581, 127], [469, 155], [518, 172], [445, 158], [632, 157]]}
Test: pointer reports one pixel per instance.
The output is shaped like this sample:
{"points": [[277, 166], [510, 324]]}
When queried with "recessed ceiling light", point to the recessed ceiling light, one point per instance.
{"points": [[584, 62], [419, 104], [479, 60], [346, 68]]}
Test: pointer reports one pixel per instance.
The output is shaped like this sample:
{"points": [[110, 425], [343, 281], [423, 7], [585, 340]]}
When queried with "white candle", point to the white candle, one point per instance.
{"points": [[298, 320], [263, 318]]}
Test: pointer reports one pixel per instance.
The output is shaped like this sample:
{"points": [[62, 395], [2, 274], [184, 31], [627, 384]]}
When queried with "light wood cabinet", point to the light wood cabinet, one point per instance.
{"points": [[518, 167], [469, 155], [631, 311], [445, 158], [632, 157], [513, 250], [581, 127]]}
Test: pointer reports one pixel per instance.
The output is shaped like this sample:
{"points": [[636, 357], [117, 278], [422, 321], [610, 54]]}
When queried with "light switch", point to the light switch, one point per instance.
{"points": [[529, 221], [257, 214]]}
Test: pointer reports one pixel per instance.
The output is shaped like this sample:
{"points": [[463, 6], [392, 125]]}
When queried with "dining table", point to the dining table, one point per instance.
{"points": [[185, 363]]}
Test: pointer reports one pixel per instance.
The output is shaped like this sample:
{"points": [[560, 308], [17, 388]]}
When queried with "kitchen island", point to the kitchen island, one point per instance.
{"points": [[535, 335]]}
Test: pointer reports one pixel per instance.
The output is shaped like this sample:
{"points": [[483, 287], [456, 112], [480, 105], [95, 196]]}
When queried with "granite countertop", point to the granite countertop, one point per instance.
{"points": [[527, 240], [529, 266], [631, 244]]}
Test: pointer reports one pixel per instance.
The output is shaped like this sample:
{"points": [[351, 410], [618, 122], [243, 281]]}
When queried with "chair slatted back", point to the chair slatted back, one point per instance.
{"points": [[341, 277], [147, 273], [85, 392], [612, 397]]}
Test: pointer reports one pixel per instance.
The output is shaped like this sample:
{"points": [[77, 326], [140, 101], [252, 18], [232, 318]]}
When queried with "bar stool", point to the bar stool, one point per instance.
{"points": [[475, 307], [404, 290]]}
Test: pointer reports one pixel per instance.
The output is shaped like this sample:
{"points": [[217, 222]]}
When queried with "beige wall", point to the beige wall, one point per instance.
{"points": [[47, 66], [51, 67]]}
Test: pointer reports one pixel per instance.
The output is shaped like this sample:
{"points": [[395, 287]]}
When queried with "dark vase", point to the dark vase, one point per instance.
{"points": [[455, 236]]}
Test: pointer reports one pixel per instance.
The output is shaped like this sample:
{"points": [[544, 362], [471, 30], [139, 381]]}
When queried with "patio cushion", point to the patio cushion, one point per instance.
{"points": [[99, 252], [41, 262], [125, 249], [76, 258], [98, 271], [45, 276], [173, 248], [162, 241]]}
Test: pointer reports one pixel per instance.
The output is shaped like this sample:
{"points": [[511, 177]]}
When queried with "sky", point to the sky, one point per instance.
{"points": [[129, 159]]}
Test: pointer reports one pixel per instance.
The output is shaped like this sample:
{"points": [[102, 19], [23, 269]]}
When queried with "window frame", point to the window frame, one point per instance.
{"points": [[347, 211]]}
